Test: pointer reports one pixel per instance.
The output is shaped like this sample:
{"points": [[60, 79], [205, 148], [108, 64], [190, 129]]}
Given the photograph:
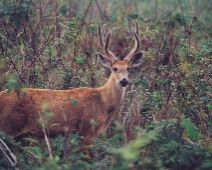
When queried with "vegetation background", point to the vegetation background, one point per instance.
{"points": [[165, 121]]}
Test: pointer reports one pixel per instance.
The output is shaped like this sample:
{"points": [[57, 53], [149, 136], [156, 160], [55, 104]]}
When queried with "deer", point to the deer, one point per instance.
{"points": [[73, 109]]}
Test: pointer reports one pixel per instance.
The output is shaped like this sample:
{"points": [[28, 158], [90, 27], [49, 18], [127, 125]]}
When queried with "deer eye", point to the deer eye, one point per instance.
{"points": [[115, 69]]}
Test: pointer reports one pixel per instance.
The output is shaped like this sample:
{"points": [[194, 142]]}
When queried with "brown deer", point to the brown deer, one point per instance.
{"points": [[72, 109]]}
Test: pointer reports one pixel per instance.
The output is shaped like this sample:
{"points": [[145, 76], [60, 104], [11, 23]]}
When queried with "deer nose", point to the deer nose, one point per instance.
{"points": [[123, 82]]}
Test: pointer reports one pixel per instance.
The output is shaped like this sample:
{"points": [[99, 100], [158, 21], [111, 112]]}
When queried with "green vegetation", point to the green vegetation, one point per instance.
{"points": [[165, 120]]}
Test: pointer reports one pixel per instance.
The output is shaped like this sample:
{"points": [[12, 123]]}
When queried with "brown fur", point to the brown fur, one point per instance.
{"points": [[73, 109]]}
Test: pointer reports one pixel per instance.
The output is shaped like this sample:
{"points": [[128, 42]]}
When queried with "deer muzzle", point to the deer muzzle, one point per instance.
{"points": [[124, 82]]}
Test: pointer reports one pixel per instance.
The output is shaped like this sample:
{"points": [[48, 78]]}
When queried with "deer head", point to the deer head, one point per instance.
{"points": [[119, 68]]}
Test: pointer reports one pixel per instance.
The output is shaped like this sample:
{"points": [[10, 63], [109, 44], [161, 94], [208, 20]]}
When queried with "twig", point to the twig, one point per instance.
{"points": [[46, 138], [30, 153], [5, 148]]}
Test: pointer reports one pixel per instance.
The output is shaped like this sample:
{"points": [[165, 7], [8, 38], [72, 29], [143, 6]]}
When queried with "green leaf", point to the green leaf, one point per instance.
{"points": [[73, 101], [94, 122], [131, 151], [13, 84], [80, 59], [191, 128], [132, 16], [92, 27], [185, 67]]}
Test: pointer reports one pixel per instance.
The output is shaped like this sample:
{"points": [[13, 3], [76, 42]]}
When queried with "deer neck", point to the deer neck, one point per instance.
{"points": [[112, 94]]}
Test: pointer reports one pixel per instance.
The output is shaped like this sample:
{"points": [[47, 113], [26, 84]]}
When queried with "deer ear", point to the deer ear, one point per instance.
{"points": [[137, 59], [105, 62]]}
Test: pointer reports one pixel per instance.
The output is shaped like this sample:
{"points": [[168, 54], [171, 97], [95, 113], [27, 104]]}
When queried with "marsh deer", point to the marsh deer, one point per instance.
{"points": [[72, 109]]}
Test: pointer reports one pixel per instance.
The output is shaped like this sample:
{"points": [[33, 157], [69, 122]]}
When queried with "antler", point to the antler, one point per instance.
{"points": [[136, 44], [105, 46]]}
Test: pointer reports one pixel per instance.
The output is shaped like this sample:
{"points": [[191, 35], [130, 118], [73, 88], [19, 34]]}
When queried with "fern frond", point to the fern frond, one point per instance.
{"points": [[191, 128], [31, 140]]}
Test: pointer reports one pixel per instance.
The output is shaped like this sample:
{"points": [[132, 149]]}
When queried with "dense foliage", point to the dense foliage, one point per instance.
{"points": [[165, 120]]}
